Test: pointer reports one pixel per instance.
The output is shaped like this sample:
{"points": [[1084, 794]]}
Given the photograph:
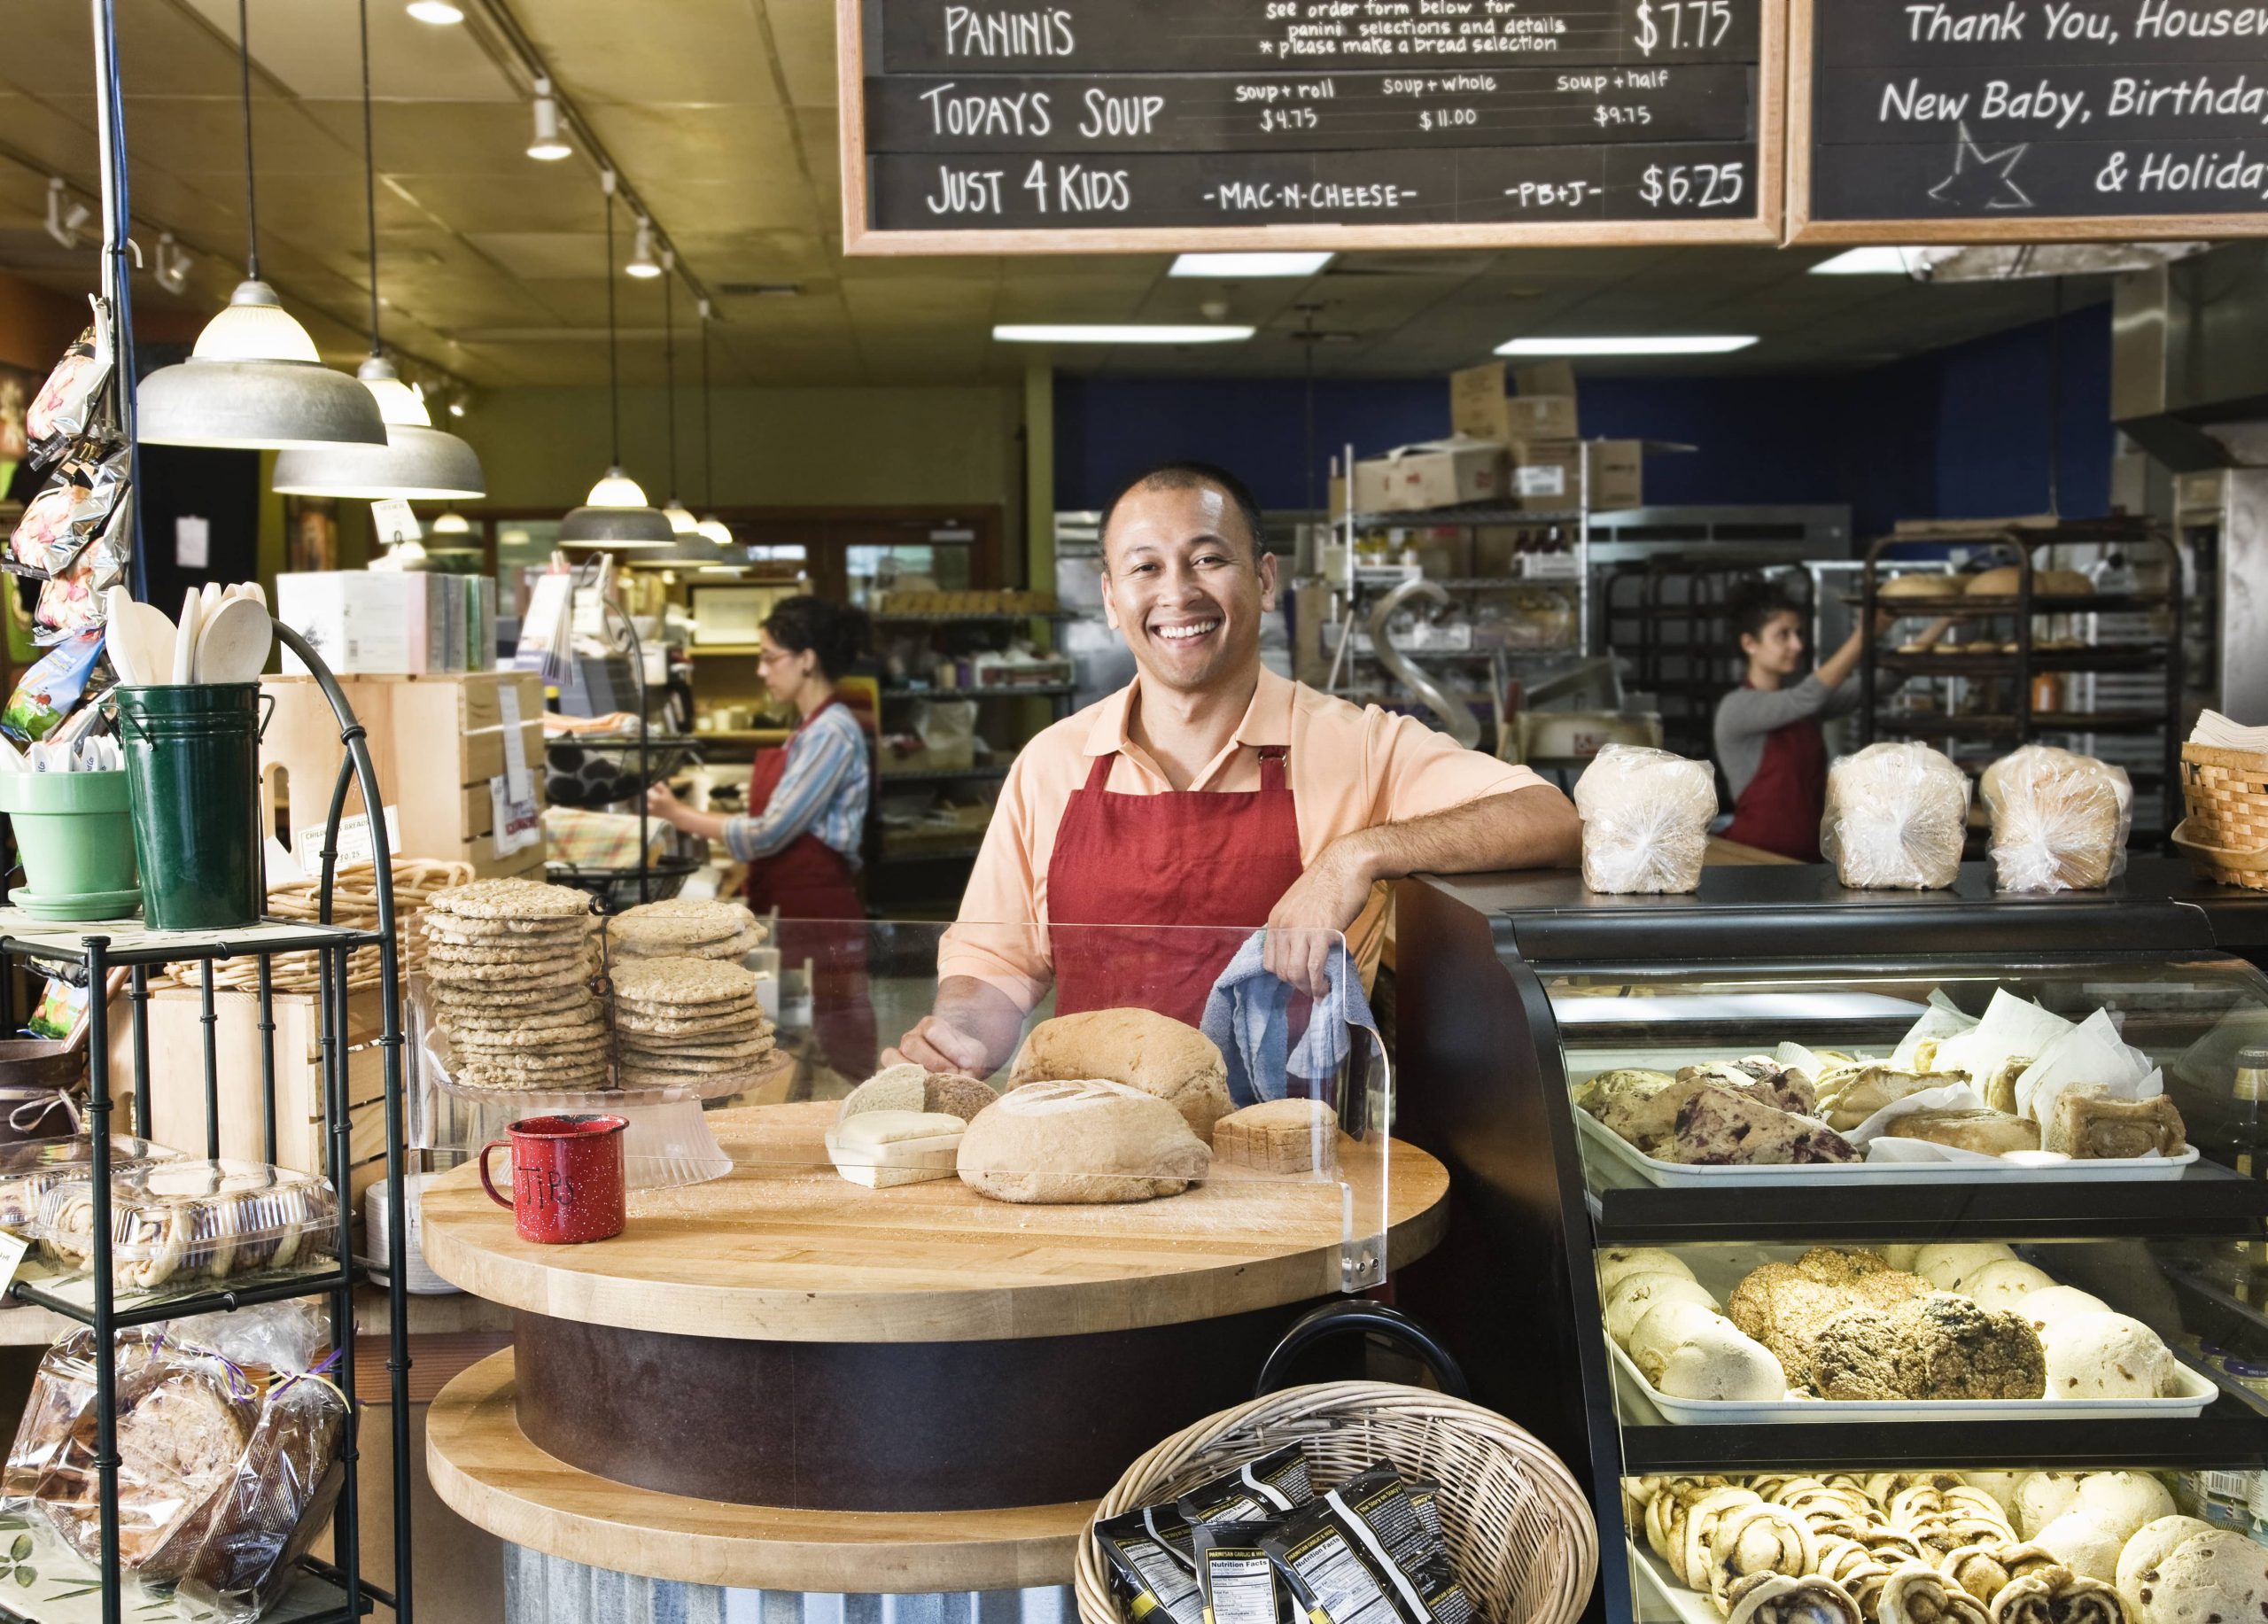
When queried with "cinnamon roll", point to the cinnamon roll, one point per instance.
{"points": [[1774, 1598], [1918, 1595], [1760, 1538]]}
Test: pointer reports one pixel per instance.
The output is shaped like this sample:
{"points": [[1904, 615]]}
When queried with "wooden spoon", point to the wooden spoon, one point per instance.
{"points": [[141, 637], [192, 617], [232, 647]]}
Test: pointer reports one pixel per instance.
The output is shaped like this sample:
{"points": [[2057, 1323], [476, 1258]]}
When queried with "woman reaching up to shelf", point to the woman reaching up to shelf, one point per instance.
{"points": [[1768, 739], [806, 818]]}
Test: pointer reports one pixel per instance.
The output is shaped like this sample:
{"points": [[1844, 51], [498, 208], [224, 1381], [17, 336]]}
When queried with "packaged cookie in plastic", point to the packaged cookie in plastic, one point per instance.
{"points": [[174, 1221], [30, 1169], [1897, 816], [1646, 816], [2060, 819]]}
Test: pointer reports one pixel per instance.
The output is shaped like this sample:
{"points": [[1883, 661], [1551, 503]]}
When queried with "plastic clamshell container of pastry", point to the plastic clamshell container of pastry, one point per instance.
{"points": [[176, 1222], [2036, 1169], [30, 1169]]}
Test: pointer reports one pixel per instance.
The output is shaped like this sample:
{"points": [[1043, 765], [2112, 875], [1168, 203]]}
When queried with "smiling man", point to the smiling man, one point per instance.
{"points": [[1209, 791]]}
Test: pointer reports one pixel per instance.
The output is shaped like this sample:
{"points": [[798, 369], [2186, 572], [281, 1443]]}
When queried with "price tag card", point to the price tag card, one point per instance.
{"points": [[355, 844]]}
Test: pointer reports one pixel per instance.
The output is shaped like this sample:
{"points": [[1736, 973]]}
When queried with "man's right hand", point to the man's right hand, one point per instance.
{"points": [[936, 1045]]}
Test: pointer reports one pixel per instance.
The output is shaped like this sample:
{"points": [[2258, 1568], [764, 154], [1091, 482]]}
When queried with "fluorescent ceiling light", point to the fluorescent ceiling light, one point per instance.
{"points": [[1672, 344], [1105, 332], [436, 11], [1871, 262], [1238, 266]]}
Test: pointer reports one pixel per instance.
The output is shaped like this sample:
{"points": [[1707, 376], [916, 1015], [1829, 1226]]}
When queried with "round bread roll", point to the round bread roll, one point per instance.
{"points": [[1661, 1330], [1085, 1141], [2002, 581], [2004, 1283], [2043, 1497], [2107, 1356], [1944, 1267], [1136, 1047], [1636, 1295], [1718, 1362], [1615, 1263], [2085, 1542], [2125, 1500], [2051, 1303], [2217, 1575], [2147, 1546], [2062, 584], [1919, 584]]}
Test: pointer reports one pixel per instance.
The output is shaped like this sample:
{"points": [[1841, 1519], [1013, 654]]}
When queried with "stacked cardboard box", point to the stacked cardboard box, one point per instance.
{"points": [[1541, 432]]}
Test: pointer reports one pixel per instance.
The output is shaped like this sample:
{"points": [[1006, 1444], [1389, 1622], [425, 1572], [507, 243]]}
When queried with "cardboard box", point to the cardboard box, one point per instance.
{"points": [[1547, 477], [1545, 377], [1479, 407], [1617, 475], [1433, 474], [437, 741], [375, 622]]}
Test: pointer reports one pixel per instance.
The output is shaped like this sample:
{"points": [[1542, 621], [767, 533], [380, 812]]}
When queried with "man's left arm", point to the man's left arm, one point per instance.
{"points": [[1530, 828]]}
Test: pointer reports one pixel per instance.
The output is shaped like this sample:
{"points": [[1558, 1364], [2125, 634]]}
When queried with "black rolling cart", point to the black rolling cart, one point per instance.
{"points": [[1513, 988], [338, 1590]]}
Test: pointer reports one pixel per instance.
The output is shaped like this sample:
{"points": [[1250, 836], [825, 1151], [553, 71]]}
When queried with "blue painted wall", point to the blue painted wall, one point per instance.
{"points": [[1958, 433]]}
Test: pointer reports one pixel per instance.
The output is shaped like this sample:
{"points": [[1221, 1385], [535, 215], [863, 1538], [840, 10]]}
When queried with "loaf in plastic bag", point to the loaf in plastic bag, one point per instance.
{"points": [[1897, 815], [1646, 816], [2060, 819], [227, 1471]]}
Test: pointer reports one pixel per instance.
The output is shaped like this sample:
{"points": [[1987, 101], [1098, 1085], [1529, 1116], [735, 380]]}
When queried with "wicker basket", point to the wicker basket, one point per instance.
{"points": [[1521, 1534], [2225, 834]]}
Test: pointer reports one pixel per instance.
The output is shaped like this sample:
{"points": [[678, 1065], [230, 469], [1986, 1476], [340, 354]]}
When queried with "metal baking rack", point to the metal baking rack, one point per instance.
{"points": [[323, 1591]]}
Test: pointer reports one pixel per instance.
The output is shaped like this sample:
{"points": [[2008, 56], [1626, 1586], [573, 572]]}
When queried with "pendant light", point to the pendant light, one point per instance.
{"points": [[681, 520], [417, 462], [712, 527], [616, 514], [254, 380]]}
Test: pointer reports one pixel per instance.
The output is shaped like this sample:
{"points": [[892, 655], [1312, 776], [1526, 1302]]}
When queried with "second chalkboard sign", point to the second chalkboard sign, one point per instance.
{"points": [[2039, 120], [978, 128]]}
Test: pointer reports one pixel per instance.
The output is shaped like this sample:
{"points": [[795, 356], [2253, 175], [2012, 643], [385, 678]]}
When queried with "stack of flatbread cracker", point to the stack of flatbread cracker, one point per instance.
{"points": [[684, 928], [679, 1021], [510, 963]]}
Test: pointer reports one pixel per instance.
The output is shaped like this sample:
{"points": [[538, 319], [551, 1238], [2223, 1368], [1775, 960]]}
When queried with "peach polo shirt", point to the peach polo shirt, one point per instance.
{"points": [[1348, 768]]}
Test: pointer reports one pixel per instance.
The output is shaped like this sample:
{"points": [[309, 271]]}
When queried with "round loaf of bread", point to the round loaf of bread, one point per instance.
{"points": [[1919, 584], [1138, 1047], [1636, 1295], [2148, 1546], [2217, 1575], [1081, 1141]]}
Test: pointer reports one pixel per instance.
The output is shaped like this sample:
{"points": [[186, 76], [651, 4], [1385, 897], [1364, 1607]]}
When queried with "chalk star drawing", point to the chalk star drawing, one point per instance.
{"points": [[1981, 179]]}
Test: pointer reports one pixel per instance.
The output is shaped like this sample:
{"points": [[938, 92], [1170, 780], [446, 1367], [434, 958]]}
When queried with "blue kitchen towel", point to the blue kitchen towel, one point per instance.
{"points": [[1248, 1015]]}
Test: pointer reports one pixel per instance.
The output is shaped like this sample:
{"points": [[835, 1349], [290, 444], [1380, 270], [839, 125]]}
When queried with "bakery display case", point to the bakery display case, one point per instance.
{"points": [[1778, 1184]]}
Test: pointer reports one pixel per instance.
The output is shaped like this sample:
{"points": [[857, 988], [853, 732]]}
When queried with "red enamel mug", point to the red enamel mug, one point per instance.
{"points": [[566, 1177]]}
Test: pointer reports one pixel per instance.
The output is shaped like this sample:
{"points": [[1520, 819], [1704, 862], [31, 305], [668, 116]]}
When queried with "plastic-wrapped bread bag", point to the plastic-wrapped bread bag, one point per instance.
{"points": [[1646, 816], [2060, 820], [1897, 815]]}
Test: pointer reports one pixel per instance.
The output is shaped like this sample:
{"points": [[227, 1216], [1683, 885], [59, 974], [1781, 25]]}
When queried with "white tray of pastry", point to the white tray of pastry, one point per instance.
{"points": [[1964, 1171], [1652, 1581], [2197, 1391]]}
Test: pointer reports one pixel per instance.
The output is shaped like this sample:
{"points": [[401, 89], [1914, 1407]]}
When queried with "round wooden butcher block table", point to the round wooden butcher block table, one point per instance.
{"points": [[784, 1380]]}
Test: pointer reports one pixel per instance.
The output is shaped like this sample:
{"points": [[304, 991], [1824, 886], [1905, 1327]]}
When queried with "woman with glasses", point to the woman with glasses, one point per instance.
{"points": [[807, 816]]}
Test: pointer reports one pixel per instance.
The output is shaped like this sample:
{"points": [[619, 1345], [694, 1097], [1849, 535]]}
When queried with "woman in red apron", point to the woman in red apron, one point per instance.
{"points": [[1769, 739], [806, 818]]}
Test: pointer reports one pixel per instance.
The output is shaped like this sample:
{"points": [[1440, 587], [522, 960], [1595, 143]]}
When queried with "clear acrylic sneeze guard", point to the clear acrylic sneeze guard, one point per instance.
{"points": [[761, 1139]]}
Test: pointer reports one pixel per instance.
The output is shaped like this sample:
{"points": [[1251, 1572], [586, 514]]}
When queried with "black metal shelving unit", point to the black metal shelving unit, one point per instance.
{"points": [[90, 951], [1498, 972]]}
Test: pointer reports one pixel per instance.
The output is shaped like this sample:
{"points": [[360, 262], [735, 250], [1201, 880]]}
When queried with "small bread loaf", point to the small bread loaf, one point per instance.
{"points": [[906, 1087], [2060, 820], [1085, 1140], [1897, 814], [1279, 1135], [1138, 1047]]}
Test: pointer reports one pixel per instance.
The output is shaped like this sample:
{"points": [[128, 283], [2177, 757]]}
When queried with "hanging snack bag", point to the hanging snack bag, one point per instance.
{"points": [[1276, 1483], [67, 404], [72, 600], [71, 510], [54, 687], [1152, 1577]]}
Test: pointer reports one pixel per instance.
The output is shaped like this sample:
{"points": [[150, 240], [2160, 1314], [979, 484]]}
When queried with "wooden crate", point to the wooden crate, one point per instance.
{"points": [[436, 742], [177, 1078]]}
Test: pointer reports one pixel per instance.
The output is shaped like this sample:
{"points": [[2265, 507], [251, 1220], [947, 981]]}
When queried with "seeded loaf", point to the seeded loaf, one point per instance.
{"points": [[1082, 1141], [1137, 1047], [1279, 1135]]}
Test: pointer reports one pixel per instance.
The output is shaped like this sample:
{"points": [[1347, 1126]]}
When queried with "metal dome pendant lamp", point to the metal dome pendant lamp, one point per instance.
{"points": [[615, 515], [254, 381], [418, 463], [714, 528]]}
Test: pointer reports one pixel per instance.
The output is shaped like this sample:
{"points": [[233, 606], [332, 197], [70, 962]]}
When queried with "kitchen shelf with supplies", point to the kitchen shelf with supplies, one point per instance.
{"points": [[1766, 1149], [261, 1235]]}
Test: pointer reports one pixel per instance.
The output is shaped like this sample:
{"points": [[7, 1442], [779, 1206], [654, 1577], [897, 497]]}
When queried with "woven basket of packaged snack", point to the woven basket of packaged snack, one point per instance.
{"points": [[2225, 834], [1350, 1467], [193, 1220]]}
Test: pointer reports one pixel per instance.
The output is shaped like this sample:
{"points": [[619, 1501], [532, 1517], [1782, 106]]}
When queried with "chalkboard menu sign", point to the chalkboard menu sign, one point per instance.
{"points": [[1977, 121], [1011, 125]]}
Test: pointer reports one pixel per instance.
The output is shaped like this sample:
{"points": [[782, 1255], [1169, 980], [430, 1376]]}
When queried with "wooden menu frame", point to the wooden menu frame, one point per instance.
{"points": [[1802, 228], [1765, 226]]}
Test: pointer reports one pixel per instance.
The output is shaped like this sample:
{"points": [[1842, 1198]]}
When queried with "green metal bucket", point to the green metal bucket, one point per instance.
{"points": [[76, 839], [192, 761]]}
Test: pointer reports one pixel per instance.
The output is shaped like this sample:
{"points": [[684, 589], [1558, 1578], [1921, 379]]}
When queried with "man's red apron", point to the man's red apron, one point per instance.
{"points": [[1780, 808], [807, 879], [1188, 857]]}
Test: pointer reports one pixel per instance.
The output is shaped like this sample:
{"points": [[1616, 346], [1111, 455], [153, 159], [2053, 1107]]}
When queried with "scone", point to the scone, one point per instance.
{"points": [[1954, 1349], [1992, 1133], [2089, 1127], [1716, 1126]]}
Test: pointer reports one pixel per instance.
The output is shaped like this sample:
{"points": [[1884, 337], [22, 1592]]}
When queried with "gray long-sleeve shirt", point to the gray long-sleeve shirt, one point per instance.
{"points": [[1746, 715]]}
